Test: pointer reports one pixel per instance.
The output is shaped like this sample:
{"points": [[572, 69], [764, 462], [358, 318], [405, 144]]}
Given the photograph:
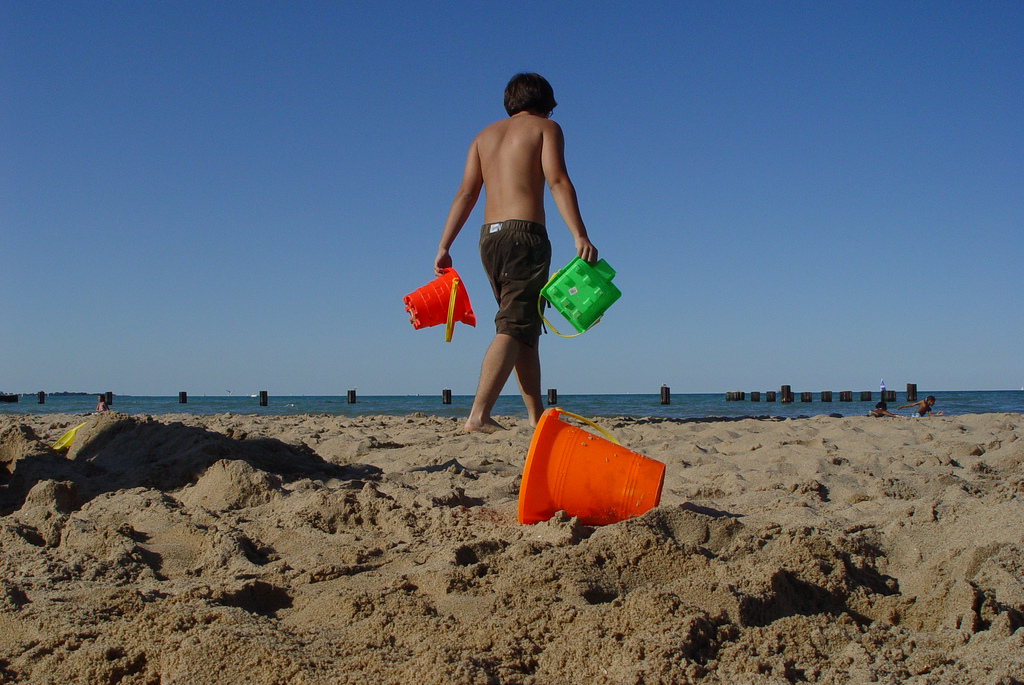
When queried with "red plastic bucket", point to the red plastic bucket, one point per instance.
{"points": [[443, 300]]}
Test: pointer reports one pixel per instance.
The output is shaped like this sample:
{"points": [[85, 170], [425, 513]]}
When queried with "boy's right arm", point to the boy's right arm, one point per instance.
{"points": [[552, 157], [462, 207]]}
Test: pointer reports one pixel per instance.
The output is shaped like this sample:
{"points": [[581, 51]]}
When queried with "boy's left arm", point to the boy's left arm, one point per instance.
{"points": [[462, 207]]}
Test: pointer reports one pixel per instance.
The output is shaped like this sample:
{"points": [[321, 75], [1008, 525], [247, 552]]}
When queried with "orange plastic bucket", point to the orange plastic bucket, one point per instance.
{"points": [[587, 476], [443, 300]]}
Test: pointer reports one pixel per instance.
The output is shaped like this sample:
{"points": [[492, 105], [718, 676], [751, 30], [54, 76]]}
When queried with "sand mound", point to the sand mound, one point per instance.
{"points": [[319, 549]]}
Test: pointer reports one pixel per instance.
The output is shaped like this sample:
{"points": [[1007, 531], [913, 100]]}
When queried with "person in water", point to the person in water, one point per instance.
{"points": [[924, 407], [511, 160]]}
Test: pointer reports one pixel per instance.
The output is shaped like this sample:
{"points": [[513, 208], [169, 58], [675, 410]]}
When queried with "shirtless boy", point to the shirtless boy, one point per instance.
{"points": [[512, 159], [924, 407]]}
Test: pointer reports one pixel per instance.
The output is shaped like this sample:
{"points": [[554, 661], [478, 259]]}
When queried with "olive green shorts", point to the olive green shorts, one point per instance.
{"points": [[517, 257]]}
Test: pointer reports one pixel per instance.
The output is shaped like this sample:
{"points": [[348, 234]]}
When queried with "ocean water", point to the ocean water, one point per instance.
{"points": [[686, 406]]}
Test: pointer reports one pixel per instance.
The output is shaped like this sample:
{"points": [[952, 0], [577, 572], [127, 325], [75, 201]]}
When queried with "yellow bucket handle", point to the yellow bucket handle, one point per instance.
{"points": [[449, 326], [540, 310], [602, 431]]}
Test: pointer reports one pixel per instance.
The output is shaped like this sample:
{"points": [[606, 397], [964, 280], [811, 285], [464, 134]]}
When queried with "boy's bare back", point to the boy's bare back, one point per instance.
{"points": [[510, 154]]}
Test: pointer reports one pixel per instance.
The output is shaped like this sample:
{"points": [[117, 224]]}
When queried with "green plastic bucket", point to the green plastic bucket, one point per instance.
{"points": [[582, 292]]}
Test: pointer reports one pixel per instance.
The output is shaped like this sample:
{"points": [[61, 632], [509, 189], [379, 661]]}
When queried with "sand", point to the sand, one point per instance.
{"points": [[320, 549]]}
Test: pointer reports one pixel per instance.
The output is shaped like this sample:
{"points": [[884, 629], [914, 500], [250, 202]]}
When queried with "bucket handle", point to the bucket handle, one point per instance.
{"points": [[602, 431], [540, 310], [449, 326]]}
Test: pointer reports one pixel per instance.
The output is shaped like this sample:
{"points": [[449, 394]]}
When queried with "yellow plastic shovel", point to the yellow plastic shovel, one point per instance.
{"points": [[64, 441]]}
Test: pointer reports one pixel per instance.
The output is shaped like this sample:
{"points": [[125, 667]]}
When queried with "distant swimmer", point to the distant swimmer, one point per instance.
{"points": [[924, 407]]}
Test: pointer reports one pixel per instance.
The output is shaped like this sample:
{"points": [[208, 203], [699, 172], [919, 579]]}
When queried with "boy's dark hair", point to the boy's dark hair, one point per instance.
{"points": [[881, 405], [529, 92]]}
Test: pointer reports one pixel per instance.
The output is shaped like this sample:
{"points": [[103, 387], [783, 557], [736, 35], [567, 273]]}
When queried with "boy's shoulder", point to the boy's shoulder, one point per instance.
{"points": [[515, 125], [525, 120]]}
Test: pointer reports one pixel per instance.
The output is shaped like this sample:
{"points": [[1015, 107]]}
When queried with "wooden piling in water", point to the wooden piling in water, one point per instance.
{"points": [[182, 397], [786, 393], [806, 397], [826, 395], [865, 395], [263, 398], [552, 396], [769, 396], [755, 395], [666, 395], [351, 396], [446, 396], [41, 397]]}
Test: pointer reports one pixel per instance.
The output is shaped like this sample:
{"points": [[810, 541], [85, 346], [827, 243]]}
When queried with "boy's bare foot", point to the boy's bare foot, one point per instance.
{"points": [[488, 426]]}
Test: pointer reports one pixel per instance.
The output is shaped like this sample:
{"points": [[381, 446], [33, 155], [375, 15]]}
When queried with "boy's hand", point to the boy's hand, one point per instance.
{"points": [[585, 250], [443, 260]]}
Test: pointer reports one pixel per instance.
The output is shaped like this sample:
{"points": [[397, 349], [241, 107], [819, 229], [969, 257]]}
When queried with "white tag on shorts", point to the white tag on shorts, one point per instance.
{"points": [[494, 228]]}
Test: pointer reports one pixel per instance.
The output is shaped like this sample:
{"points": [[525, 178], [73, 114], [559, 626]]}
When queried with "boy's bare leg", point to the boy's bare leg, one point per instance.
{"points": [[500, 358], [527, 370]]}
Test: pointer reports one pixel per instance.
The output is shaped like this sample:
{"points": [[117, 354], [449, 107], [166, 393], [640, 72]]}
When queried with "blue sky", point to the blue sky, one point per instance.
{"points": [[236, 195]]}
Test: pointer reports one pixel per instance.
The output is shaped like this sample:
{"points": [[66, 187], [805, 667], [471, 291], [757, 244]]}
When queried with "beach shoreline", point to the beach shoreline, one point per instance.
{"points": [[323, 548], [681, 405]]}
